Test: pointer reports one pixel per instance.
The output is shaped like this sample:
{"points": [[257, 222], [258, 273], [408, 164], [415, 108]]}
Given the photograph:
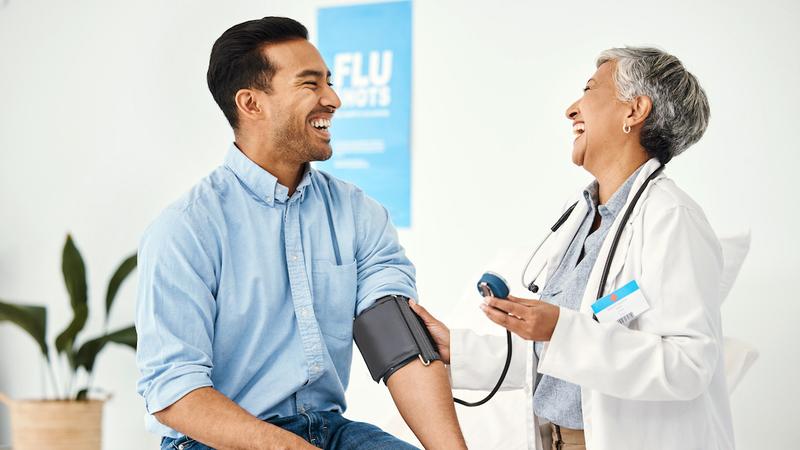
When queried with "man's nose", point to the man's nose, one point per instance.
{"points": [[330, 98]]}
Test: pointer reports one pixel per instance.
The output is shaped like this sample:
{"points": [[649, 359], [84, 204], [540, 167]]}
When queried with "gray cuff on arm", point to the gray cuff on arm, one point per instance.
{"points": [[390, 335]]}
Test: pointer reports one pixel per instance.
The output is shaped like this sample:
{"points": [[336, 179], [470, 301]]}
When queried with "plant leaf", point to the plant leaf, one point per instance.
{"points": [[75, 278], [122, 272], [88, 352], [32, 319], [82, 394]]}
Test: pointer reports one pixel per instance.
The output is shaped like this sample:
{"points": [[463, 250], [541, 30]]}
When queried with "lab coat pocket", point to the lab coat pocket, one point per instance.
{"points": [[335, 297]]}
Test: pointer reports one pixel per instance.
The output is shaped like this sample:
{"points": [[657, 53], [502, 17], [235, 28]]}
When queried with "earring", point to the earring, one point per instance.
{"points": [[626, 128]]}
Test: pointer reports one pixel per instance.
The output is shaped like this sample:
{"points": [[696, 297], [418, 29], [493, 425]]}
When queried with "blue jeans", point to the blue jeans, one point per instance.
{"points": [[327, 430]]}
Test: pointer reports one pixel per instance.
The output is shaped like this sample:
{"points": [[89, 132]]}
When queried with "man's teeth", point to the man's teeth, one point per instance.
{"points": [[578, 129], [322, 124]]}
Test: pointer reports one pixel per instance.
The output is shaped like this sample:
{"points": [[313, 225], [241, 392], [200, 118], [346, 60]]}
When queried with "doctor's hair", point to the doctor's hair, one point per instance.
{"points": [[680, 111], [237, 61]]}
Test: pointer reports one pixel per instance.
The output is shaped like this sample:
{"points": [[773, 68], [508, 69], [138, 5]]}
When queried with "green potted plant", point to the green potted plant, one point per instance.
{"points": [[71, 420]]}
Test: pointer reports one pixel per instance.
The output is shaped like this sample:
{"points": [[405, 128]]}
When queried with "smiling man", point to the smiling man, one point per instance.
{"points": [[250, 282]]}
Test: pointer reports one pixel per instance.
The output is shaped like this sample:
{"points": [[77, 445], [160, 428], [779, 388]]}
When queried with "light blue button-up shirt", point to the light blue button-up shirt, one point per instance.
{"points": [[253, 292]]}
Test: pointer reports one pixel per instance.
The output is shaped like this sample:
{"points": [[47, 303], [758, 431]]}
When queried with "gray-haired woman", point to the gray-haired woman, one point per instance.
{"points": [[642, 367]]}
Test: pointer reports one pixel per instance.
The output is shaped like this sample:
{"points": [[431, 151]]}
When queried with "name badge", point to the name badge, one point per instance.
{"points": [[622, 305]]}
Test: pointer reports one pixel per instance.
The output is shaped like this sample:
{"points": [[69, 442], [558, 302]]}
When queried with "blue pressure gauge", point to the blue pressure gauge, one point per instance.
{"points": [[492, 284]]}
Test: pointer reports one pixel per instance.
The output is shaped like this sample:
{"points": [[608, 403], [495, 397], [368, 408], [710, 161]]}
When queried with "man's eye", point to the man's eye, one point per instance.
{"points": [[586, 89], [310, 83], [330, 84]]}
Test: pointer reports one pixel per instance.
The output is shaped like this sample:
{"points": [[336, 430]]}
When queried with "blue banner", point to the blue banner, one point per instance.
{"points": [[368, 49]]}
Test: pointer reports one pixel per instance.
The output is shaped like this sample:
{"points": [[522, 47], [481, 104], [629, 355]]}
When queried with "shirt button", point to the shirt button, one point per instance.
{"points": [[304, 312], [294, 257]]}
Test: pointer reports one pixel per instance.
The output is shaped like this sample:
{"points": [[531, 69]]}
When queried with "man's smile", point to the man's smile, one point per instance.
{"points": [[320, 126]]}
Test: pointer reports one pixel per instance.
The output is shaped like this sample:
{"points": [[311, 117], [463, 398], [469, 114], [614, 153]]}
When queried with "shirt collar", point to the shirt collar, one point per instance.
{"points": [[261, 183], [617, 201]]}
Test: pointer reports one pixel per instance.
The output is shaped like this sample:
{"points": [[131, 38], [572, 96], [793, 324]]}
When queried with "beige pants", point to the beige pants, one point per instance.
{"points": [[567, 438]]}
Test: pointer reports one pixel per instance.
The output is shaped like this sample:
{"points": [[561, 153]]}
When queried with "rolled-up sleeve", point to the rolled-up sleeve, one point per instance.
{"points": [[381, 263], [175, 311]]}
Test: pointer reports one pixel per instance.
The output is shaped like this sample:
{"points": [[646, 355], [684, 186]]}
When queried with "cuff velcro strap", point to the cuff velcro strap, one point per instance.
{"points": [[389, 336]]}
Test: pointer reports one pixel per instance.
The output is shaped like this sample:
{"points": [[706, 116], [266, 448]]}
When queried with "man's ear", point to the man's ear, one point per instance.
{"points": [[247, 104], [640, 108]]}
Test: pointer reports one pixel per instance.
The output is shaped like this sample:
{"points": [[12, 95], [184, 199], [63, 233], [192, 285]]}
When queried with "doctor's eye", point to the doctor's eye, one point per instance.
{"points": [[586, 89]]}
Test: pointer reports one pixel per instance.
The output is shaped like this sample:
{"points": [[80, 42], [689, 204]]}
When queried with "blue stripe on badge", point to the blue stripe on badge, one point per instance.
{"points": [[618, 295]]}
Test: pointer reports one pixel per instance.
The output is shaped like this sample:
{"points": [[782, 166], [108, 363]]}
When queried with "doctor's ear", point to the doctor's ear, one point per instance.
{"points": [[247, 104], [640, 108]]}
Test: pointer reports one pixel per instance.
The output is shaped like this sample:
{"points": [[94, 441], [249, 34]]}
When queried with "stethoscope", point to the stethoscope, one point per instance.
{"points": [[494, 285]]}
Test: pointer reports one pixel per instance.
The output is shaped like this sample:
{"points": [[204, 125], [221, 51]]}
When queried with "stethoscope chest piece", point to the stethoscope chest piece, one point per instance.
{"points": [[493, 285]]}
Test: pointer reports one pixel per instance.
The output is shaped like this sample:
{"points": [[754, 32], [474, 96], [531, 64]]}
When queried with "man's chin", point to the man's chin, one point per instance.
{"points": [[322, 154]]}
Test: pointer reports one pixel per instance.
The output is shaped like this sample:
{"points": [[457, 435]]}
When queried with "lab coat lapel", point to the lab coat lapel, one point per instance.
{"points": [[589, 296]]}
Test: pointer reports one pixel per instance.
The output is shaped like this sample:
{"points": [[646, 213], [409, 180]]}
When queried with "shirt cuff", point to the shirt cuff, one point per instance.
{"points": [[163, 393]]}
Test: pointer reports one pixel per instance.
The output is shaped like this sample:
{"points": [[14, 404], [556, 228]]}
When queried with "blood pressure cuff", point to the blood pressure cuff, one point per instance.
{"points": [[390, 335]]}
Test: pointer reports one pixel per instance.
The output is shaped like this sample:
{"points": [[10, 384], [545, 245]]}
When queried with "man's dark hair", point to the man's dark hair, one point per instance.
{"points": [[237, 61]]}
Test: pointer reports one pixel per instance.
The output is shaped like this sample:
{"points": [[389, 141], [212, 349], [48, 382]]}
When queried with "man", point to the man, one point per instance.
{"points": [[250, 282]]}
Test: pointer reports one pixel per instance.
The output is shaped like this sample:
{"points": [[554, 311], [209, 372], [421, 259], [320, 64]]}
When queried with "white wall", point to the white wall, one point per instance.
{"points": [[105, 118]]}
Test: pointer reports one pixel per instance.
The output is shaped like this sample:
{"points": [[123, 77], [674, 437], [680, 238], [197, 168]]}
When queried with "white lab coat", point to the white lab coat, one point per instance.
{"points": [[658, 383]]}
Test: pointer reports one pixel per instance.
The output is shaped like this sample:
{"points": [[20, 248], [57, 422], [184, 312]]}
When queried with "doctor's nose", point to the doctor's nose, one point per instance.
{"points": [[573, 111]]}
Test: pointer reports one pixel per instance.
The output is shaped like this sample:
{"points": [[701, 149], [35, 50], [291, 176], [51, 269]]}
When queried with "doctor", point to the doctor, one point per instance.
{"points": [[656, 381]]}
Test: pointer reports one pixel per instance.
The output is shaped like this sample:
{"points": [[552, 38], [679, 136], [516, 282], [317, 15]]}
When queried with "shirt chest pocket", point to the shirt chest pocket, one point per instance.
{"points": [[335, 297]]}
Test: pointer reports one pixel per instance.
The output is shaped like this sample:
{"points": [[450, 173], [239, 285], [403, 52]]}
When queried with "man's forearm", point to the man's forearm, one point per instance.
{"points": [[425, 400], [208, 416]]}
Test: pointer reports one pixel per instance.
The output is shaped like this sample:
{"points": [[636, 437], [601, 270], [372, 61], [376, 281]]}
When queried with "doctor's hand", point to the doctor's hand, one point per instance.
{"points": [[439, 331], [533, 320]]}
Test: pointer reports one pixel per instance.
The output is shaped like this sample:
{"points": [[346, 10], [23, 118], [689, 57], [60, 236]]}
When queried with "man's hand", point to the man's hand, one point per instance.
{"points": [[533, 320], [439, 331]]}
